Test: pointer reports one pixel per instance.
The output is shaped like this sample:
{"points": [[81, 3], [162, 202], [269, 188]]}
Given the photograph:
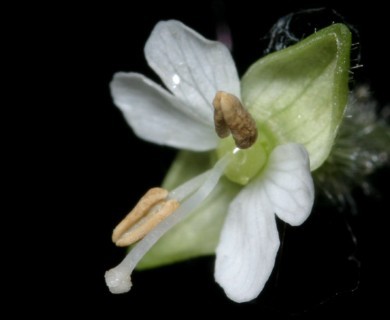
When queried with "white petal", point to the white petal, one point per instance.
{"points": [[289, 184], [157, 116], [248, 245], [192, 67]]}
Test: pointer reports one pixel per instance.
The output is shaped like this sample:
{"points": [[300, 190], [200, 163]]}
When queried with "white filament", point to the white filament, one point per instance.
{"points": [[194, 192], [188, 187]]}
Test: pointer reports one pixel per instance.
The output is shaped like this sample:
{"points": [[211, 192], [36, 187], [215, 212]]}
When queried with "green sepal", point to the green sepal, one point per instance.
{"points": [[300, 93]]}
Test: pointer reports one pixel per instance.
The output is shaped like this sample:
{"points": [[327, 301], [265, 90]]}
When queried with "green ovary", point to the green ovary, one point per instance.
{"points": [[245, 163]]}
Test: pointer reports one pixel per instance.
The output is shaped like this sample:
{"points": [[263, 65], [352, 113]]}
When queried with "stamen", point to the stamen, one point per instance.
{"points": [[150, 210], [191, 194], [231, 117]]}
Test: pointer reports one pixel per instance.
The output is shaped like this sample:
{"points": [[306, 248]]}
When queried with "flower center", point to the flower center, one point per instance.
{"points": [[250, 152]]}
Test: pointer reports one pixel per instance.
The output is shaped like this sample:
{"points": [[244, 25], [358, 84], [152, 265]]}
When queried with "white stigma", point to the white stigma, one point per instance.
{"points": [[117, 281]]}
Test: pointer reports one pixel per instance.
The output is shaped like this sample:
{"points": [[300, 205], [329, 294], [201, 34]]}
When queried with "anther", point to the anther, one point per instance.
{"points": [[150, 210], [231, 117]]}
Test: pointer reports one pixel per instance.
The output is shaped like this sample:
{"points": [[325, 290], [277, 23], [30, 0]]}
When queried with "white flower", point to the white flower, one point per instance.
{"points": [[194, 69]]}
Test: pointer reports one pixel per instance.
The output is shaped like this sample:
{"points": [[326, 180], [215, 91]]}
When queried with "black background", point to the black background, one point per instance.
{"points": [[108, 169]]}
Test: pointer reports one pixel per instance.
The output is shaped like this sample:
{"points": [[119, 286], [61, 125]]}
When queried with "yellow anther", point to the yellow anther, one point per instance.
{"points": [[231, 117], [150, 210]]}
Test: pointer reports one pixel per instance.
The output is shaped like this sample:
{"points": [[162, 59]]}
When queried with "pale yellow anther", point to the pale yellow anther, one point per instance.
{"points": [[231, 117], [150, 210]]}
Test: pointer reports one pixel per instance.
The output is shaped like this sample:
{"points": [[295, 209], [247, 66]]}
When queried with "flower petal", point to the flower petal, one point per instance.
{"points": [[289, 186], [157, 116], [192, 67], [248, 245]]}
